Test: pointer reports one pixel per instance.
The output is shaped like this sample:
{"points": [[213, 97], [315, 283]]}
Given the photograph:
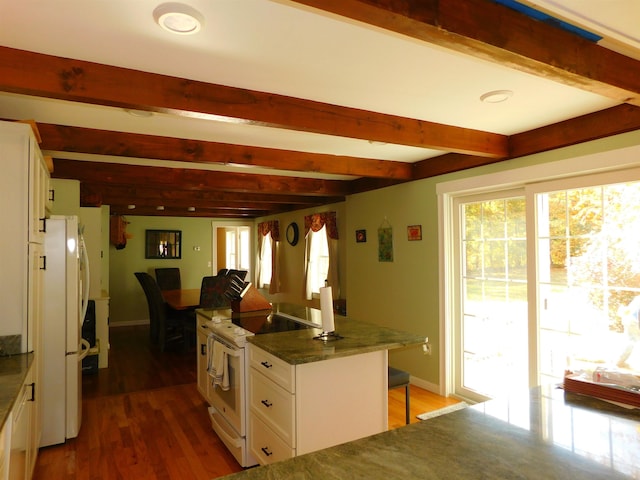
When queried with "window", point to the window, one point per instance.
{"points": [[268, 255], [265, 261], [318, 259], [492, 326], [237, 253], [321, 254], [540, 278]]}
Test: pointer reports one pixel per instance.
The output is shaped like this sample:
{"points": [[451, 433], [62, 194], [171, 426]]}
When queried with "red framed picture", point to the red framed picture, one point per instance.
{"points": [[414, 232]]}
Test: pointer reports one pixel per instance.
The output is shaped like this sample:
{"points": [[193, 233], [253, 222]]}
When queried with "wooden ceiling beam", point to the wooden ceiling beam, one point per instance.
{"points": [[192, 179], [169, 211], [493, 32], [103, 142], [154, 195], [48, 76], [611, 121]]}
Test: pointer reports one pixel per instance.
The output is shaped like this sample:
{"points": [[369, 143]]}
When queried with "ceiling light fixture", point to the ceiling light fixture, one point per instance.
{"points": [[496, 96], [178, 18]]}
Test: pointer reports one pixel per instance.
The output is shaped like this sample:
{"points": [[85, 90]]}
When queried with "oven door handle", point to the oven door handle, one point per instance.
{"points": [[234, 352]]}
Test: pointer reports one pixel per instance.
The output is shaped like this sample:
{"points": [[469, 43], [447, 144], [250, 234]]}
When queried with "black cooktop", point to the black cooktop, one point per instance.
{"points": [[281, 319]]}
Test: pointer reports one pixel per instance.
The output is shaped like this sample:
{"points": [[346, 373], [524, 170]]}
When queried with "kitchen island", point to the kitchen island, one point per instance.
{"points": [[303, 394], [543, 434]]}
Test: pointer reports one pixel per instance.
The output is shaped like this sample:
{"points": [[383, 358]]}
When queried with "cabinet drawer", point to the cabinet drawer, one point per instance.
{"points": [[273, 368], [273, 404], [265, 445]]}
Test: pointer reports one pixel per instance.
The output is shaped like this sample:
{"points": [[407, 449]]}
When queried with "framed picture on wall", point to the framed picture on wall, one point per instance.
{"points": [[361, 236], [414, 232], [163, 244]]}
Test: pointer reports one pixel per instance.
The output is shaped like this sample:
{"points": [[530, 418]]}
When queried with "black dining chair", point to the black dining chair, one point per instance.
{"points": [[167, 326], [212, 292], [168, 278]]}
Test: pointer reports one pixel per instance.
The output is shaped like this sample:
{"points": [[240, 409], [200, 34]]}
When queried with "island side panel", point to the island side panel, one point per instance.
{"points": [[340, 400]]}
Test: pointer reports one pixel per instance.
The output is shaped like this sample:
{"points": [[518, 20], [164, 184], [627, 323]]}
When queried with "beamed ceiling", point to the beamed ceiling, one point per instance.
{"points": [[338, 139]]}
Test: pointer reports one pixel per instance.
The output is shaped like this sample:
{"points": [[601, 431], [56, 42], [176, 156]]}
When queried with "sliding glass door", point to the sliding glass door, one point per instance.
{"points": [[546, 279], [492, 329]]}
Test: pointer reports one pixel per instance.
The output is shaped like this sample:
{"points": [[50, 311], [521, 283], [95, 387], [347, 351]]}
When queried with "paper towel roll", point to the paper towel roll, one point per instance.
{"points": [[326, 308]]}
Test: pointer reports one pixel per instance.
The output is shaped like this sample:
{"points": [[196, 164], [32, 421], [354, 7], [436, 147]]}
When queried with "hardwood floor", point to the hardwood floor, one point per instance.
{"points": [[144, 419]]}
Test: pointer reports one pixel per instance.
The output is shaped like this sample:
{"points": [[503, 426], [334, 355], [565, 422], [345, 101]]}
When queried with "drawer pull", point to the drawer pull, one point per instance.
{"points": [[266, 403], [266, 451], [266, 364]]}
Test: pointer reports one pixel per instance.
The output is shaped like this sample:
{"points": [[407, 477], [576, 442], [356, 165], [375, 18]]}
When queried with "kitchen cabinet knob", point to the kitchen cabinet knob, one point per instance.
{"points": [[203, 349], [266, 451], [266, 403], [266, 364]]}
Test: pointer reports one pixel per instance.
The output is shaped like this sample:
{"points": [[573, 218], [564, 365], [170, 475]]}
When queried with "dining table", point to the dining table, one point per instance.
{"points": [[182, 299]]}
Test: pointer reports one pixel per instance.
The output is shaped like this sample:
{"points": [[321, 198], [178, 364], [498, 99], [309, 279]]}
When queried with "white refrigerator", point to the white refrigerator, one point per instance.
{"points": [[66, 289]]}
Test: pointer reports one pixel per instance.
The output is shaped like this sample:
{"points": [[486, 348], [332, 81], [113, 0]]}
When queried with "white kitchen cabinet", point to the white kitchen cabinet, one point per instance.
{"points": [[23, 193], [297, 409], [21, 447]]}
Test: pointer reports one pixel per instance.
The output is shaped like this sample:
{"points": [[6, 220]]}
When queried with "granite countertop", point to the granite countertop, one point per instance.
{"points": [[13, 370], [299, 346], [545, 434]]}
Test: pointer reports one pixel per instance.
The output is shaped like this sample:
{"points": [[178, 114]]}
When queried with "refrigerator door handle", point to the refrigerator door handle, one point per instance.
{"points": [[85, 350]]}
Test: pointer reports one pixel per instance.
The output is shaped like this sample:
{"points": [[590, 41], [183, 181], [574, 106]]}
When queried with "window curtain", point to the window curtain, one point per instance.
{"points": [[264, 228], [314, 223]]}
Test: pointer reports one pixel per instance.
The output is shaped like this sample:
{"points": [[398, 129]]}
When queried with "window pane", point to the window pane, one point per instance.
{"points": [[494, 318], [318, 259]]}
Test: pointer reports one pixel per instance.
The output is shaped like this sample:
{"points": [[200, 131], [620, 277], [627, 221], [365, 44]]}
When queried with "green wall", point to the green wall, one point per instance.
{"points": [[128, 304], [404, 294]]}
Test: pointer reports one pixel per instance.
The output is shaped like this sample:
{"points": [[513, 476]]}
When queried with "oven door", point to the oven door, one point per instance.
{"points": [[231, 403]]}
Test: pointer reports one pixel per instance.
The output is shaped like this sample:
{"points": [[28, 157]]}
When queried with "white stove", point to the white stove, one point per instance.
{"points": [[223, 327]]}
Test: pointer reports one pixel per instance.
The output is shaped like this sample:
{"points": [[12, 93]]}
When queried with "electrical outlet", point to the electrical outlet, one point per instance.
{"points": [[426, 348]]}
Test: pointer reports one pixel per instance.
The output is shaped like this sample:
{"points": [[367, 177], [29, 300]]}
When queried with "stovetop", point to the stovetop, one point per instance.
{"points": [[235, 327]]}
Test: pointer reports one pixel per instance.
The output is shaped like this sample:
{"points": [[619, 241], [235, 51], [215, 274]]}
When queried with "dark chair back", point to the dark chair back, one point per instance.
{"points": [[168, 278], [165, 326], [212, 292]]}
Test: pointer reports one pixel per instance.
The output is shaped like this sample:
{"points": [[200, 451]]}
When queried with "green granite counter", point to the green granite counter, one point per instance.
{"points": [[547, 434], [13, 370], [299, 346]]}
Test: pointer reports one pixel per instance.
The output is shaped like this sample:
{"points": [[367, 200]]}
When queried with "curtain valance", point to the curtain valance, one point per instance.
{"points": [[316, 221], [272, 226]]}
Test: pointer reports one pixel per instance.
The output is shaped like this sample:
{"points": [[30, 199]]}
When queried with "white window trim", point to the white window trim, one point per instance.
{"points": [[600, 162]]}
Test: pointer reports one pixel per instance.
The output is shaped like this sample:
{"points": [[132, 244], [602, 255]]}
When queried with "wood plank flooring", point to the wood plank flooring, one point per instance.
{"points": [[144, 419]]}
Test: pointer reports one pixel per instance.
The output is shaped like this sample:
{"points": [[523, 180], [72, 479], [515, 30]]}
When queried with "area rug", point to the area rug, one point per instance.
{"points": [[443, 411]]}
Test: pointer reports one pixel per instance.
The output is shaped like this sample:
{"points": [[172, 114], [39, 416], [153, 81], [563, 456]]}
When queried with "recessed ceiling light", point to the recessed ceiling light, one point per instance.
{"points": [[178, 18], [159, 208], [496, 96], [131, 207], [192, 209]]}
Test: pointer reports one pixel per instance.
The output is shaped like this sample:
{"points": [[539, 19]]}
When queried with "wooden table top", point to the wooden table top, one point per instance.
{"points": [[182, 299]]}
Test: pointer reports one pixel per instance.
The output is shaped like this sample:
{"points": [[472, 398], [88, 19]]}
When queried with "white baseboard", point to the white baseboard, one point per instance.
{"points": [[130, 323], [430, 387]]}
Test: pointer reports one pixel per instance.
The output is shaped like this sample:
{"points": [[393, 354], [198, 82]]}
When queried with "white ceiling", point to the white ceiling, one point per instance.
{"points": [[283, 48]]}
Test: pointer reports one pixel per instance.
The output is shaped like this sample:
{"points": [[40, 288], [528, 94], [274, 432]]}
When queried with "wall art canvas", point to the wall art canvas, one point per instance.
{"points": [[385, 244]]}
